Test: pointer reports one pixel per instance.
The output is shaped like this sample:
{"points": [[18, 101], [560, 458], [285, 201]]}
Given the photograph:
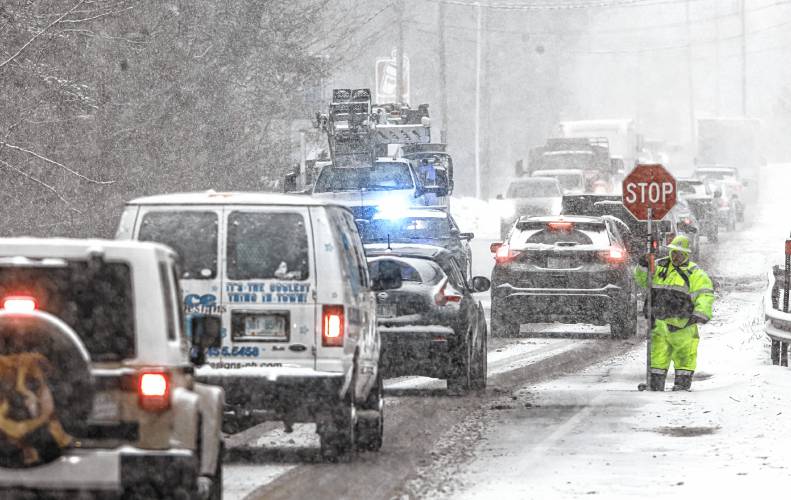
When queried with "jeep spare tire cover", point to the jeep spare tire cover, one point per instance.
{"points": [[46, 388]]}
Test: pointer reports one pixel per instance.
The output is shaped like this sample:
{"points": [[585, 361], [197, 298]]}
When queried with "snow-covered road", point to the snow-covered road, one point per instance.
{"points": [[592, 433]]}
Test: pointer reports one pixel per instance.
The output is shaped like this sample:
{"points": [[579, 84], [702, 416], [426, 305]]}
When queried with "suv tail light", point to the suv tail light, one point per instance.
{"points": [[153, 391], [505, 255], [332, 320], [560, 226], [442, 297], [19, 304], [615, 255]]}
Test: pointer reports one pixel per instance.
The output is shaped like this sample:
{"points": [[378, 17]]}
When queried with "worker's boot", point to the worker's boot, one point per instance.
{"points": [[683, 380], [658, 377]]}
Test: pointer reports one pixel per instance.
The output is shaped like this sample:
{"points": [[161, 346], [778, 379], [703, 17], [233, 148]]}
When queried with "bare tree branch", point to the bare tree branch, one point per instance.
{"points": [[53, 162], [84, 19], [40, 183], [53, 23]]}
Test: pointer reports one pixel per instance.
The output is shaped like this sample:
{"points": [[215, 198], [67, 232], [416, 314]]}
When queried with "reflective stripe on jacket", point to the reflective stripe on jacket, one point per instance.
{"points": [[670, 286]]}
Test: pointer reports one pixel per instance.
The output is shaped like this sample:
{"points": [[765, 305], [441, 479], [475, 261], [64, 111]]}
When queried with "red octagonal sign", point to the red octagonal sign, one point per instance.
{"points": [[649, 186]]}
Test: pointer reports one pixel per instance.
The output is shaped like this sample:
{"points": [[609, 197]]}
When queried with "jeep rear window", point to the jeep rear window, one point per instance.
{"points": [[193, 235], [94, 299], [267, 245]]}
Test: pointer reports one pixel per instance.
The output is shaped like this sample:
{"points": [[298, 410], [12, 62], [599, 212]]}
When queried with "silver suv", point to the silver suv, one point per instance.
{"points": [[97, 393]]}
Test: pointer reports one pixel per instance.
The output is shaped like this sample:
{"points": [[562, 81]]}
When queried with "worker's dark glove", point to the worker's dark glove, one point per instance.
{"points": [[643, 260]]}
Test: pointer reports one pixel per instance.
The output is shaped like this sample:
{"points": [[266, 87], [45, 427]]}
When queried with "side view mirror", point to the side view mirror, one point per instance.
{"points": [[480, 284], [387, 276], [466, 236], [204, 331], [495, 246]]}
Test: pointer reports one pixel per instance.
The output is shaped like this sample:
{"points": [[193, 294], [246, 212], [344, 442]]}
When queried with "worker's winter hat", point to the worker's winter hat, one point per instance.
{"points": [[680, 243]]}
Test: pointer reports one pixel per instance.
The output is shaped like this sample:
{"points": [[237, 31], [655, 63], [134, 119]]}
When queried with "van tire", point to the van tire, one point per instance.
{"points": [[370, 430], [337, 430]]}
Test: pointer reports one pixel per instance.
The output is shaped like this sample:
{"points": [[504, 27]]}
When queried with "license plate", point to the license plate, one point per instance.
{"points": [[386, 310], [261, 326], [105, 407], [558, 262]]}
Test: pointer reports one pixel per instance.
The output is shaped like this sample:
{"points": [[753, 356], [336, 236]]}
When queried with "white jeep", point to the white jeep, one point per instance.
{"points": [[97, 392]]}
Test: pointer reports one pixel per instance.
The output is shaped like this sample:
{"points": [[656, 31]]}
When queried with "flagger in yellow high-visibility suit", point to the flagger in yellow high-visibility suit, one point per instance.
{"points": [[683, 296]]}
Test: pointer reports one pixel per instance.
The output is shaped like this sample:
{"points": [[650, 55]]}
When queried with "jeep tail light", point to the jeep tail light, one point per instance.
{"points": [[332, 320], [19, 304], [443, 297], [153, 391], [505, 255]]}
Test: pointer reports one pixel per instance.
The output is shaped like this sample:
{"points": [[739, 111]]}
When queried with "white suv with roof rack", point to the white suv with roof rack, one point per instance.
{"points": [[288, 277], [98, 393]]}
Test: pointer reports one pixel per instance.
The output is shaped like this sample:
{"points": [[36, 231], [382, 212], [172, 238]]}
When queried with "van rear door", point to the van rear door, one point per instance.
{"points": [[195, 234], [268, 286]]}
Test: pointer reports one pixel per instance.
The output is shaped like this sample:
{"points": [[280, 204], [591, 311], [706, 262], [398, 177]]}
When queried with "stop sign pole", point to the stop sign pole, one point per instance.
{"points": [[649, 192]]}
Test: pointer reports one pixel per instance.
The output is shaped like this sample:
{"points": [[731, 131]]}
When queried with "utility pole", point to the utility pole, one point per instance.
{"points": [[443, 77], [717, 62], [744, 56], [690, 78], [478, 40], [400, 52]]}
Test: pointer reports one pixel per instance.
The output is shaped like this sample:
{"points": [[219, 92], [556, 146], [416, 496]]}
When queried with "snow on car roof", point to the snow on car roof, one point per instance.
{"points": [[231, 198], [557, 171], [73, 248], [560, 218], [405, 250]]}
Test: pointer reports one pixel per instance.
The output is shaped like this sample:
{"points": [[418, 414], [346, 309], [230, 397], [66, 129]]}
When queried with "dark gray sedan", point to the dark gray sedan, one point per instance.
{"points": [[433, 325]]}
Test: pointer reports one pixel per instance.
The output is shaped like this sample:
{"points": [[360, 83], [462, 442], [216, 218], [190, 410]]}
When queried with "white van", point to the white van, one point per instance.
{"points": [[289, 278]]}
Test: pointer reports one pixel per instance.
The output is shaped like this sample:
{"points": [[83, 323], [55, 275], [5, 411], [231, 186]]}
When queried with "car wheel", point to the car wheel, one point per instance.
{"points": [[481, 364], [370, 420], [460, 381], [501, 325], [337, 432], [624, 322]]}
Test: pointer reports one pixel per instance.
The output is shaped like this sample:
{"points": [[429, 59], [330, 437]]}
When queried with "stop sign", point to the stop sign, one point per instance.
{"points": [[649, 186]]}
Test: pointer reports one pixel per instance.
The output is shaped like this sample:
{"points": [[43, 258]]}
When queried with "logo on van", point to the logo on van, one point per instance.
{"points": [[206, 304]]}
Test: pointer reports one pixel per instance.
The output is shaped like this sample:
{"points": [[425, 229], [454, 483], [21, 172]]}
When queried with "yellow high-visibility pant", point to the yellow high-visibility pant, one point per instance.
{"points": [[680, 347]]}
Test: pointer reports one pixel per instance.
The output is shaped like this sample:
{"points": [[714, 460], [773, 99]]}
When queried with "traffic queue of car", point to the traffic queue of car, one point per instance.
{"points": [[567, 256]]}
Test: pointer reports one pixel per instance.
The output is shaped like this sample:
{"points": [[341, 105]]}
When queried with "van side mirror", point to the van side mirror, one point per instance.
{"points": [[387, 276], [480, 284], [204, 331], [466, 236]]}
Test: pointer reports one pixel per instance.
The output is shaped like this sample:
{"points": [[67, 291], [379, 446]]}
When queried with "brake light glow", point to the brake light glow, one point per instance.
{"points": [[154, 391], [19, 305], [332, 326], [560, 226], [615, 255], [505, 255]]}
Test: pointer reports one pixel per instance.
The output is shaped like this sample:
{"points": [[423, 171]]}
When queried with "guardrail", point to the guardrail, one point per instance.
{"points": [[778, 321]]}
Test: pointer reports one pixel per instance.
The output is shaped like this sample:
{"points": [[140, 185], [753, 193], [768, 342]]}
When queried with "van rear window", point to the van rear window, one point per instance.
{"points": [[267, 245], [193, 235]]}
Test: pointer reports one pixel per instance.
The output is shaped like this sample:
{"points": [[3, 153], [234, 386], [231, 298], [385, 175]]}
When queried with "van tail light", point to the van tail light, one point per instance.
{"points": [[615, 255], [19, 304], [153, 391], [505, 254], [443, 297], [332, 326]]}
